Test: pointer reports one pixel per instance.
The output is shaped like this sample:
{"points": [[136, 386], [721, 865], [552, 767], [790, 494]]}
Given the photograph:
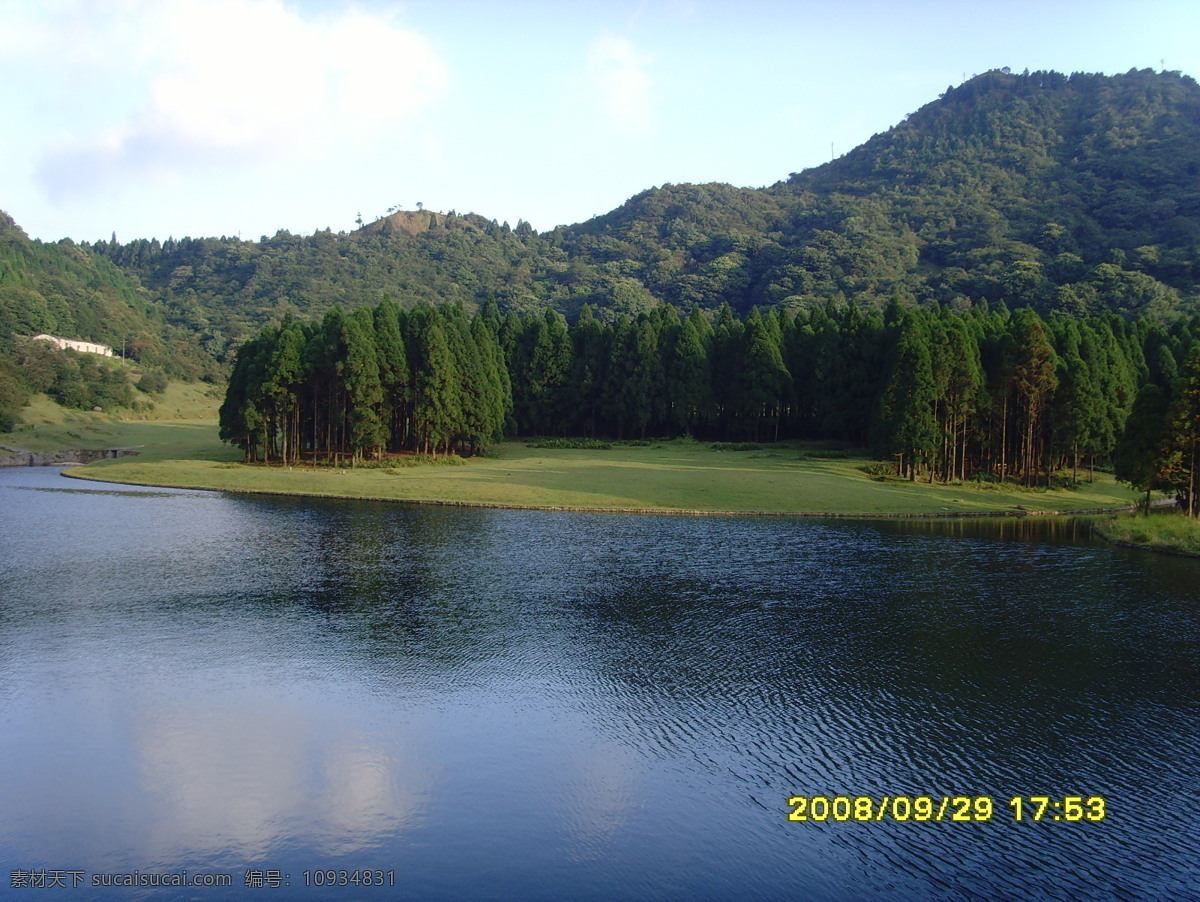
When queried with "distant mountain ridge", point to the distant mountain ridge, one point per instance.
{"points": [[1114, 161], [1075, 193]]}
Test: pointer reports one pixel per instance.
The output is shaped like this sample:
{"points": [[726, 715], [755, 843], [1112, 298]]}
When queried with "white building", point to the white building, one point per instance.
{"points": [[88, 347]]}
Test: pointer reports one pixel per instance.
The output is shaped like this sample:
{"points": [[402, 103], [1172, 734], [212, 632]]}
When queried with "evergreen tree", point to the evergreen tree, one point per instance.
{"points": [[704, 331], [241, 419], [961, 381], [1079, 419], [466, 386], [280, 392], [492, 397], [956, 392], [1164, 369], [1116, 376], [490, 314], [909, 429], [435, 377], [588, 359], [761, 379], [326, 362], [799, 341], [998, 356], [634, 377], [1138, 458], [540, 363], [850, 361], [394, 375], [685, 375], [1181, 448], [725, 361], [1034, 380], [364, 390]]}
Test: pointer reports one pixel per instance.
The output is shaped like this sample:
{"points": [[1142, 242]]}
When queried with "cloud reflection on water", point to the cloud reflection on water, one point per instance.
{"points": [[243, 776]]}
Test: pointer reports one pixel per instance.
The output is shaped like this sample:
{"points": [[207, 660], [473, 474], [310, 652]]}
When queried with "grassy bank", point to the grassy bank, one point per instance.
{"points": [[665, 476], [178, 446], [182, 419], [1163, 530]]}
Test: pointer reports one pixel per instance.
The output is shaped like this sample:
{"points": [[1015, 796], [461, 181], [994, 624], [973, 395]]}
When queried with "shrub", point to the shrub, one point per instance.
{"points": [[824, 454], [396, 464], [593, 444], [737, 446], [879, 470], [153, 383]]}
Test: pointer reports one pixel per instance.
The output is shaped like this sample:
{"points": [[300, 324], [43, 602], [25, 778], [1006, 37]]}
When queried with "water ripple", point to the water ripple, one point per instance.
{"points": [[588, 706]]}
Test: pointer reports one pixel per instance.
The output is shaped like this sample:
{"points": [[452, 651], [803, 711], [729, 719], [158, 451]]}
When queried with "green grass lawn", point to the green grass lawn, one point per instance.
{"points": [[183, 418], [1163, 530], [178, 446], [666, 476]]}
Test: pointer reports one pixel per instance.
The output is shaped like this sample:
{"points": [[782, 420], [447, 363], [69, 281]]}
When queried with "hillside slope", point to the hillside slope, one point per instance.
{"points": [[1077, 193], [69, 290]]}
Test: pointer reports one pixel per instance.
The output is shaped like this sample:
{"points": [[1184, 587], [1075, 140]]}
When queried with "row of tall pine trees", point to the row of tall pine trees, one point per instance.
{"points": [[941, 393]]}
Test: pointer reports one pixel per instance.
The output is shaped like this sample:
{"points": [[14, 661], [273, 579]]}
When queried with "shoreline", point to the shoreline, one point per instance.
{"points": [[21, 457], [1157, 549], [673, 512], [1162, 541]]}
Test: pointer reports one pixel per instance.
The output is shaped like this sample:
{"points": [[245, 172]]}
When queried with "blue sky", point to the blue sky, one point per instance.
{"points": [[159, 118]]}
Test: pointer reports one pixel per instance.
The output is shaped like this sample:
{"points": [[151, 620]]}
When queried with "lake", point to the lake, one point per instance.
{"points": [[480, 704]]}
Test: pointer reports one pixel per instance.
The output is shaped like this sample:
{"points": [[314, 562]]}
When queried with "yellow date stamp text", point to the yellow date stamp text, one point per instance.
{"points": [[952, 808]]}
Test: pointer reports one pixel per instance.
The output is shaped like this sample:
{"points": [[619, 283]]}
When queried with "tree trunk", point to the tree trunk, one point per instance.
{"points": [[1192, 509], [1004, 440]]}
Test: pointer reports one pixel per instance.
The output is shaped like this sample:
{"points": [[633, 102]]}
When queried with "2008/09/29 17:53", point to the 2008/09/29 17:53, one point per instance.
{"points": [[960, 808]]}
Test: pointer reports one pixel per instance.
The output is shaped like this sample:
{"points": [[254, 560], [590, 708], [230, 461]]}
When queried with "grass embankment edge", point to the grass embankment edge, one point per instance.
{"points": [[76, 473], [678, 477], [664, 479], [1167, 532]]}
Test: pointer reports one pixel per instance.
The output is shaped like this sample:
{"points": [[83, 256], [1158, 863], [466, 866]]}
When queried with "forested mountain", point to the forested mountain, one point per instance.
{"points": [[69, 290], [224, 289], [1077, 193]]}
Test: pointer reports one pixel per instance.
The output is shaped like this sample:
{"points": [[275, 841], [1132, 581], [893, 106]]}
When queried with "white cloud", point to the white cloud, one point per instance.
{"points": [[220, 83], [621, 83]]}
